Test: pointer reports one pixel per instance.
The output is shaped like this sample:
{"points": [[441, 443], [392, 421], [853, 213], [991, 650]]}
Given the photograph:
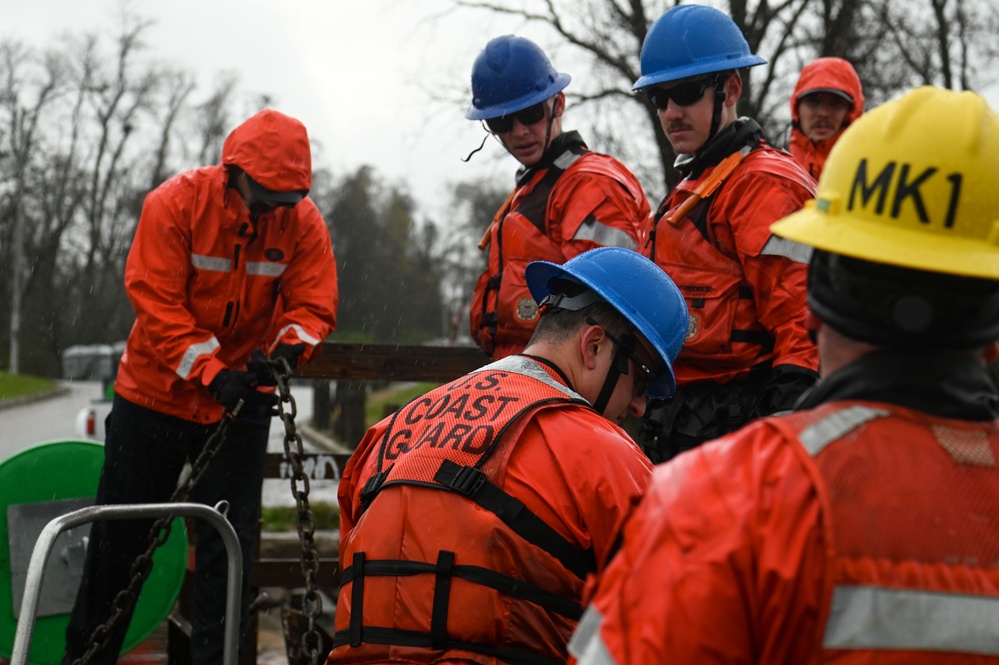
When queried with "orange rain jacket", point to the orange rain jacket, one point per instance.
{"points": [[209, 284], [574, 200], [823, 75], [445, 578], [744, 287], [863, 530]]}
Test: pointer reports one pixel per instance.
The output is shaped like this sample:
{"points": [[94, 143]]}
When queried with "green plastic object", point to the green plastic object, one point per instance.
{"points": [[66, 470]]}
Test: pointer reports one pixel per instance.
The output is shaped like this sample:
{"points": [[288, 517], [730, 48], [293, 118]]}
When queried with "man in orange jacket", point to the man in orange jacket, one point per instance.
{"points": [[826, 99], [863, 528], [568, 198], [470, 518], [230, 263], [747, 352]]}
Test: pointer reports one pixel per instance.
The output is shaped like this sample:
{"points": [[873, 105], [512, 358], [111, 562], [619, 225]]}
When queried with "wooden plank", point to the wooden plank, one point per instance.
{"points": [[357, 361], [287, 573]]}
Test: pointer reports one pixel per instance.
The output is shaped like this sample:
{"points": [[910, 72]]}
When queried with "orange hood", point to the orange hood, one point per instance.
{"points": [[834, 75], [273, 149]]}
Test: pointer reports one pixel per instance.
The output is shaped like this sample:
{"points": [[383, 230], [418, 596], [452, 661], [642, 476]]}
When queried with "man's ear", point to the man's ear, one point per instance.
{"points": [[590, 341], [558, 108], [733, 89]]}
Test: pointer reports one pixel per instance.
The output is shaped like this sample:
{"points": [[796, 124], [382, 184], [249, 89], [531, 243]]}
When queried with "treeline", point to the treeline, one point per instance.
{"points": [[89, 126]]}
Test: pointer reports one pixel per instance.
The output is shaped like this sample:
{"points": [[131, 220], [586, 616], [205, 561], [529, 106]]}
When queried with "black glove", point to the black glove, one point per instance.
{"points": [[261, 368], [288, 352], [230, 386]]}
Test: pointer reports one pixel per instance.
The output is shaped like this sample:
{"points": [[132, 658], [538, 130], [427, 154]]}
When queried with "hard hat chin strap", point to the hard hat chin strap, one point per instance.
{"points": [[618, 366], [718, 105]]}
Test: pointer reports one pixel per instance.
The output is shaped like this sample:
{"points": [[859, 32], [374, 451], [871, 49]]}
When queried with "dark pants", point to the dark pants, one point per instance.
{"points": [[144, 454]]}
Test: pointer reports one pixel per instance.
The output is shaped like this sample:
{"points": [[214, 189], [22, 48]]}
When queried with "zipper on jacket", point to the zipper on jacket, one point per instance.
{"points": [[228, 313]]}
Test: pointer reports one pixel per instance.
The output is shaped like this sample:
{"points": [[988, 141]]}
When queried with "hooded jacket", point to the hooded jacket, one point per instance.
{"points": [[209, 282], [833, 75]]}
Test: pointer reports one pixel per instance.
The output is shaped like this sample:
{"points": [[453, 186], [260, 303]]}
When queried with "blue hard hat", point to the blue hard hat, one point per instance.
{"points": [[509, 75], [690, 40], [637, 288]]}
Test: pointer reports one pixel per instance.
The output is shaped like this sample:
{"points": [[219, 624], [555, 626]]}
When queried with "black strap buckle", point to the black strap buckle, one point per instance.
{"points": [[464, 479]]}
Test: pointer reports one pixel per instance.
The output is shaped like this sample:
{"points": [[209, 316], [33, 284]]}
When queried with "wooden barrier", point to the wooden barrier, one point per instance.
{"points": [[344, 361]]}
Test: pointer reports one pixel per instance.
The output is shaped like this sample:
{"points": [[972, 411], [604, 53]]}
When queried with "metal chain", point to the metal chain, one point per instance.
{"points": [[158, 534], [312, 603]]}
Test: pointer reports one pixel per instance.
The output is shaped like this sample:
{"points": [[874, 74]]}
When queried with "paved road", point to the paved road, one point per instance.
{"points": [[47, 420]]}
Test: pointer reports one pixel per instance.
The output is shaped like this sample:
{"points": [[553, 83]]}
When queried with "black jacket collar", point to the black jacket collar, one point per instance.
{"points": [[559, 145], [741, 133], [948, 384]]}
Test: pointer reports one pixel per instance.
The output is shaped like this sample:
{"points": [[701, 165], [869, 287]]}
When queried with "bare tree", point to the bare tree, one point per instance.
{"points": [[894, 45], [23, 116]]}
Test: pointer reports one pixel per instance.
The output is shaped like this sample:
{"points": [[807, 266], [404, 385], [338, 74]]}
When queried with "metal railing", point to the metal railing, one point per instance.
{"points": [[46, 541]]}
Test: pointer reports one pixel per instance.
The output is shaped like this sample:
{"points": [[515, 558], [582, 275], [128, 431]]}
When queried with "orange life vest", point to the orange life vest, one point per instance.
{"points": [[494, 581], [503, 314], [726, 337]]}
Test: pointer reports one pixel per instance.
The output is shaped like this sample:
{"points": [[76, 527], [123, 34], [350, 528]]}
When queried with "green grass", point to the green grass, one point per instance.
{"points": [[374, 405], [20, 385], [285, 518]]}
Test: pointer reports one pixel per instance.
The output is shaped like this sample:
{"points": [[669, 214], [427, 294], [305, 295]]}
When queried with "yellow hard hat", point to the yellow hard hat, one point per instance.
{"points": [[913, 183]]}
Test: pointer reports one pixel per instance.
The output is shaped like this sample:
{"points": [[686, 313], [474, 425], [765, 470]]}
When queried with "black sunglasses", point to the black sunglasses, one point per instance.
{"points": [[526, 117], [649, 376], [684, 94]]}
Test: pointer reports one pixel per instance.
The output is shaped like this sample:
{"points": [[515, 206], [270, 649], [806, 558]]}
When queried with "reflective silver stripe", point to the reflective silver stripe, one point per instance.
{"points": [[299, 332], [835, 426], [605, 235], [565, 160], [783, 247], [203, 262], [527, 367], [194, 352], [866, 617], [586, 644], [265, 268]]}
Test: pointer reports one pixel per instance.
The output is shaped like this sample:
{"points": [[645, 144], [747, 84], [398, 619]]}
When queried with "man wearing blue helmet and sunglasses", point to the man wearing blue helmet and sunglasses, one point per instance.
{"points": [[568, 199], [748, 353], [470, 519]]}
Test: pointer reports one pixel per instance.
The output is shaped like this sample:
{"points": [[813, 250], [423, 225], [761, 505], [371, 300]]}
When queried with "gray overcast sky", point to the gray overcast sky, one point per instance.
{"points": [[358, 73]]}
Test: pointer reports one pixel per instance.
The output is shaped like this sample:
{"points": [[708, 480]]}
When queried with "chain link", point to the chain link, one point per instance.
{"points": [[158, 534], [312, 602]]}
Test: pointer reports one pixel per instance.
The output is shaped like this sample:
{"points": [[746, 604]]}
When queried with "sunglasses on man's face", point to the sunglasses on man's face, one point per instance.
{"points": [[526, 117], [684, 94]]}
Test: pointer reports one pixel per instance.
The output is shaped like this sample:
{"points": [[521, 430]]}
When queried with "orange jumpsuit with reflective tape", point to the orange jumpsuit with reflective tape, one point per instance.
{"points": [[577, 200], [745, 288], [859, 531]]}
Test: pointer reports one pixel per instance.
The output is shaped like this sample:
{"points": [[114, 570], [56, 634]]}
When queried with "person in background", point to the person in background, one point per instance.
{"points": [[471, 517], [747, 352], [862, 528], [230, 264], [567, 199], [827, 98]]}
